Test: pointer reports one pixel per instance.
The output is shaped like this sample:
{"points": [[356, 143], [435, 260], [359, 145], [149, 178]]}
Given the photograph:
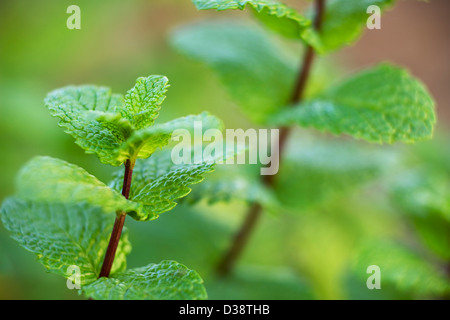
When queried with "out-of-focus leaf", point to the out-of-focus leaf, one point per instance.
{"points": [[382, 104], [343, 22], [316, 171], [423, 195], [275, 15], [256, 74], [260, 283], [233, 182], [403, 268]]}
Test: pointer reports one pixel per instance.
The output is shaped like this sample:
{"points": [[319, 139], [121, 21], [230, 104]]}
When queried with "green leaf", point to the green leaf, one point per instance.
{"points": [[73, 100], [167, 280], [275, 15], [403, 268], [422, 195], [257, 75], [143, 101], [233, 182], [116, 128], [102, 123], [62, 234], [260, 283], [142, 143], [158, 182], [316, 172], [382, 104], [343, 22], [50, 179], [90, 115], [158, 196]]}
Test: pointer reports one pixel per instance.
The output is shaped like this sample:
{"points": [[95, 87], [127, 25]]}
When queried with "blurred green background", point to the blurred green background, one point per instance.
{"points": [[342, 207]]}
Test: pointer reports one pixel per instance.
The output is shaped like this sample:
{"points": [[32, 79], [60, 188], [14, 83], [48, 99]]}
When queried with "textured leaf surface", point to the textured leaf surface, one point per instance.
{"points": [[275, 15], [50, 179], [167, 280], [90, 114], [143, 101], [158, 182], [117, 129], [403, 268], [344, 21], [256, 74], [72, 100], [62, 235], [382, 104], [144, 142]]}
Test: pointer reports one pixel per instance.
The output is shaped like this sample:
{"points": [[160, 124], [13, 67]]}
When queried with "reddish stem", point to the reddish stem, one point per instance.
{"points": [[241, 238], [118, 224]]}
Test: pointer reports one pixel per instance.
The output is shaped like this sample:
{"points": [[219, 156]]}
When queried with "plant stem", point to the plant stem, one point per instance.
{"points": [[118, 224], [228, 261]]}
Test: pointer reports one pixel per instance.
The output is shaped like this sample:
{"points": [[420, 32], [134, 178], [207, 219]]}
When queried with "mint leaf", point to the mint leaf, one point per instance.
{"points": [[382, 104], [316, 172], [118, 129], [422, 196], [343, 23], [167, 280], [62, 234], [258, 282], [233, 182], [143, 101], [158, 182], [422, 192], [142, 143], [90, 115], [275, 15], [403, 268], [50, 179], [257, 75], [73, 100]]}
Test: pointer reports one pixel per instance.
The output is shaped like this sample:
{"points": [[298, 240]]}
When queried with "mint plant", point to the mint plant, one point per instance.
{"points": [[419, 191], [383, 104], [71, 220]]}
